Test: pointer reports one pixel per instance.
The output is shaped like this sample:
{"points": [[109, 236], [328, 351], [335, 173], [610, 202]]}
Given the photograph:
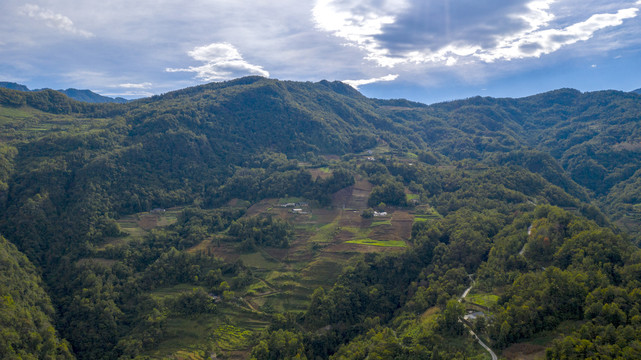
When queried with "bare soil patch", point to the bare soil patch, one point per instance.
{"points": [[350, 218], [357, 248], [260, 207], [148, 221], [402, 222], [524, 351], [353, 197]]}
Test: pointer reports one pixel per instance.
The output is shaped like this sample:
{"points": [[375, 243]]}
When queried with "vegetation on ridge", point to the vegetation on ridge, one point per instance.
{"points": [[225, 219]]}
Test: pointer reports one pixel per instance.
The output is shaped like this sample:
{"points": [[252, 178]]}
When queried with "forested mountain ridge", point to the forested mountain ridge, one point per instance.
{"points": [[468, 184], [79, 95]]}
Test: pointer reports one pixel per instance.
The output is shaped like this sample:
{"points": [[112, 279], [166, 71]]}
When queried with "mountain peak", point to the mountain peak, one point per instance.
{"points": [[13, 86]]}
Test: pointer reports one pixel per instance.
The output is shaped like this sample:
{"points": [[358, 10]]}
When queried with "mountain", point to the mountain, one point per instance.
{"points": [[257, 218], [79, 95], [638, 91], [91, 97], [13, 86]]}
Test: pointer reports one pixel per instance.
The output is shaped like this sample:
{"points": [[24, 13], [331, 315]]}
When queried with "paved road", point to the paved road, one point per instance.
{"points": [[467, 291], [492, 354]]}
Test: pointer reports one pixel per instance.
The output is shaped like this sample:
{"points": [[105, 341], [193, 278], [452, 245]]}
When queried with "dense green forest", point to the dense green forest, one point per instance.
{"points": [[268, 219]]}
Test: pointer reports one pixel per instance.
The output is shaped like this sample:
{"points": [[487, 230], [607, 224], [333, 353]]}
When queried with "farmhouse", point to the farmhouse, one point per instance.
{"points": [[473, 315]]}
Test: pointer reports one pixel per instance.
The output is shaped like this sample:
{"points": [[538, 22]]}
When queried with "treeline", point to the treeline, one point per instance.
{"points": [[258, 183], [261, 231]]}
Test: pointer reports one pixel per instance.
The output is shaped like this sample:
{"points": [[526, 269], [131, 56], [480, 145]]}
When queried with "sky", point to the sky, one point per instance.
{"points": [[422, 50]]}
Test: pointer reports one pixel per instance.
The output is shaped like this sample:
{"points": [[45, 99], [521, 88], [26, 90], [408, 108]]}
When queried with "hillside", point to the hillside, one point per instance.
{"points": [[26, 312], [272, 219], [79, 95]]}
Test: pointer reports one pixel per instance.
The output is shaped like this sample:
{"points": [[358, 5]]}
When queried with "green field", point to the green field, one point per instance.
{"points": [[487, 300], [381, 222], [391, 243], [422, 218], [325, 233]]}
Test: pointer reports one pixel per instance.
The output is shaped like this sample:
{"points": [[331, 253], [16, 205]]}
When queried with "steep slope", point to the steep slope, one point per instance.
{"points": [[13, 86], [593, 136], [26, 312]]}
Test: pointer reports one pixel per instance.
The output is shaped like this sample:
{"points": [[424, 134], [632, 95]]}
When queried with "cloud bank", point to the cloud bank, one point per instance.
{"points": [[53, 20], [397, 32], [222, 61]]}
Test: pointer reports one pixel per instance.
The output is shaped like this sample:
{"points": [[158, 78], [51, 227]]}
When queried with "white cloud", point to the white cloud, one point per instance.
{"points": [[359, 22], [222, 61], [53, 20], [145, 85], [397, 32], [593, 66], [540, 42], [128, 94], [356, 83]]}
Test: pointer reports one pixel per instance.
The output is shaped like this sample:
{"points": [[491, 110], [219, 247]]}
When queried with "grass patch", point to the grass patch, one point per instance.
{"points": [[381, 222], [184, 335], [412, 197], [325, 233], [423, 218], [487, 300], [357, 231], [173, 291], [14, 113], [368, 241], [229, 338], [258, 260]]}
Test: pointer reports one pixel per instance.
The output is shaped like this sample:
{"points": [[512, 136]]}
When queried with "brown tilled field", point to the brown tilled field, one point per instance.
{"points": [[353, 197]]}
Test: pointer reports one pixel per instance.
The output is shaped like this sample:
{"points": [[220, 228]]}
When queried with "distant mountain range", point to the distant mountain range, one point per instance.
{"points": [[80, 95], [638, 91]]}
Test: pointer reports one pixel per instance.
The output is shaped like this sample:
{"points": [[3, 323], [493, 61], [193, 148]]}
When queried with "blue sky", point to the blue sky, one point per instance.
{"points": [[422, 50]]}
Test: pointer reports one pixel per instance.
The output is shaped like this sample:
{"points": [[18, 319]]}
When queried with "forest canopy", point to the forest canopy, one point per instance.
{"points": [[225, 220]]}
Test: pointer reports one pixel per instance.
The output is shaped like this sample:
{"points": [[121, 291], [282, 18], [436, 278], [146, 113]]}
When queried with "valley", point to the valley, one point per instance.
{"points": [[265, 219]]}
